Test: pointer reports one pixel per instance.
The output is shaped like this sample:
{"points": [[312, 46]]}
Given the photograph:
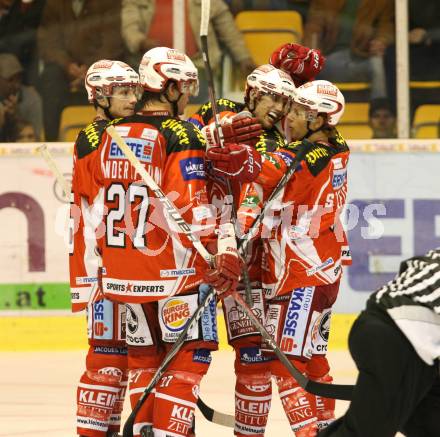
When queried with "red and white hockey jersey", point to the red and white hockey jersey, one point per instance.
{"points": [[144, 257], [303, 239]]}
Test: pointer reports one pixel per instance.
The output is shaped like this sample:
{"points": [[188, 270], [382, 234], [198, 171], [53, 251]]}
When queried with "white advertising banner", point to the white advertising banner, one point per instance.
{"points": [[393, 213]]}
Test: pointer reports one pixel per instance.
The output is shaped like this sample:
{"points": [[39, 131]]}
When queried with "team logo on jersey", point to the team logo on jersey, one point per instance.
{"points": [[338, 179], [131, 320], [143, 149], [192, 168], [175, 314]]}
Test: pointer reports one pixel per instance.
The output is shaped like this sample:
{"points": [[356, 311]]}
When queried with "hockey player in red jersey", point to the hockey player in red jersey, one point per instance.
{"points": [[147, 263], [303, 243], [111, 87], [267, 99]]}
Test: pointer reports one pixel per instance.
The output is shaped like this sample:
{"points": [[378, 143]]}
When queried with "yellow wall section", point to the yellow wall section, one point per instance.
{"points": [[69, 332]]}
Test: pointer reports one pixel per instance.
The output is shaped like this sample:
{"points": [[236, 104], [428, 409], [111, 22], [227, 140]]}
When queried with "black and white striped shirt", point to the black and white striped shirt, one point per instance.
{"points": [[412, 299]]}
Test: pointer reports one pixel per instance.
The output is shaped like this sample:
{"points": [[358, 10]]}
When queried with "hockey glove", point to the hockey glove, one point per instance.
{"points": [[239, 162], [302, 63], [225, 275], [240, 128]]}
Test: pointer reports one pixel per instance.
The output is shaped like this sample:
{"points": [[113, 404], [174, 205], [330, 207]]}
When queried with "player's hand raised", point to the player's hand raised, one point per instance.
{"points": [[303, 64]]}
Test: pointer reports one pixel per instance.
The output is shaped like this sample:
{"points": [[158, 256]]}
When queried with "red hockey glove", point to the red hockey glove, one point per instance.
{"points": [[302, 63], [241, 128], [226, 274], [235, 161], [227, 264]]}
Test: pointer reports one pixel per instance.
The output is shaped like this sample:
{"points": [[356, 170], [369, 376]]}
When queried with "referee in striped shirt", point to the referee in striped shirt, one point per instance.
{"points": [[395, 343]]}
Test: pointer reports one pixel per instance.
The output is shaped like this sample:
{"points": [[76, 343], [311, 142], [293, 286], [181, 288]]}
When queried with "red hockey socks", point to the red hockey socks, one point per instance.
{"points": [[299, 407], [317, 369], [253, 396], [174, 403], [97, 394]]}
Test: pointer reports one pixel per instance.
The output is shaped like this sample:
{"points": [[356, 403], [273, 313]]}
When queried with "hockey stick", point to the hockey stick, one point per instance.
{"points": [[44, 152], [128, 426]]}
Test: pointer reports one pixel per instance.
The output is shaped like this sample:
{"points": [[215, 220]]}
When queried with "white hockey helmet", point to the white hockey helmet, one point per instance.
{"points": [[162, 64], [105, 74], [321, 96], [270, 80]]}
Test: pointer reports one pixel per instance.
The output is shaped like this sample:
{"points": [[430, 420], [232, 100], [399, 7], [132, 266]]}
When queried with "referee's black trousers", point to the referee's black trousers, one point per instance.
{"points": [[395, 390]]}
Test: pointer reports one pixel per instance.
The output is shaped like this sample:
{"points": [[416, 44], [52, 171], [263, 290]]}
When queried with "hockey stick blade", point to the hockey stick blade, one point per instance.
{"points": [[215, 416], [128, 426]]}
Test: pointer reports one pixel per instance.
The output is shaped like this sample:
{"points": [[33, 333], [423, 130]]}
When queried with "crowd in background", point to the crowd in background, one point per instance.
{"points": [[46, 47]]}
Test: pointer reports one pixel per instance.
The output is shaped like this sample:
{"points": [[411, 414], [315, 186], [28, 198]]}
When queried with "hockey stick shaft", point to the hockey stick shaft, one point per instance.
{"points": [[128, 426], [171, 209], [44, 152], [204, 27]]}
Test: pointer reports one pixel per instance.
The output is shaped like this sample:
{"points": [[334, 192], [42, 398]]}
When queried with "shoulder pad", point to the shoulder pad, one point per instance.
{"points": [[181, 135], [89, 138], [339, 142], [270, 141], [223, 105], [316, 156]]}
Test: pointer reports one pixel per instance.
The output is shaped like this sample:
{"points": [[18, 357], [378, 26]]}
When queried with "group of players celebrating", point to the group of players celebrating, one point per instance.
{"points": [[140, 279]]}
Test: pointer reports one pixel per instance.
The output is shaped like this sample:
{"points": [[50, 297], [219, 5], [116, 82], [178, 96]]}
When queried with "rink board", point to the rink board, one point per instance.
{"points": [[69, 332]]}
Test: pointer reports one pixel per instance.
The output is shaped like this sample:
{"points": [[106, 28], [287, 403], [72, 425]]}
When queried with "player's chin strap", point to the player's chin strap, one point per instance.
{"points": [[311, 131], [174, 103]]}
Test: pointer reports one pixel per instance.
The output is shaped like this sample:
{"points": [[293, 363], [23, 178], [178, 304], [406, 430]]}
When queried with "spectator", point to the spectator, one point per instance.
{"points": [[424, 51], [24, 132], [353, 35], [19, 20], [19, 101], [72, 35], [382, 118], [144, 25]]}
